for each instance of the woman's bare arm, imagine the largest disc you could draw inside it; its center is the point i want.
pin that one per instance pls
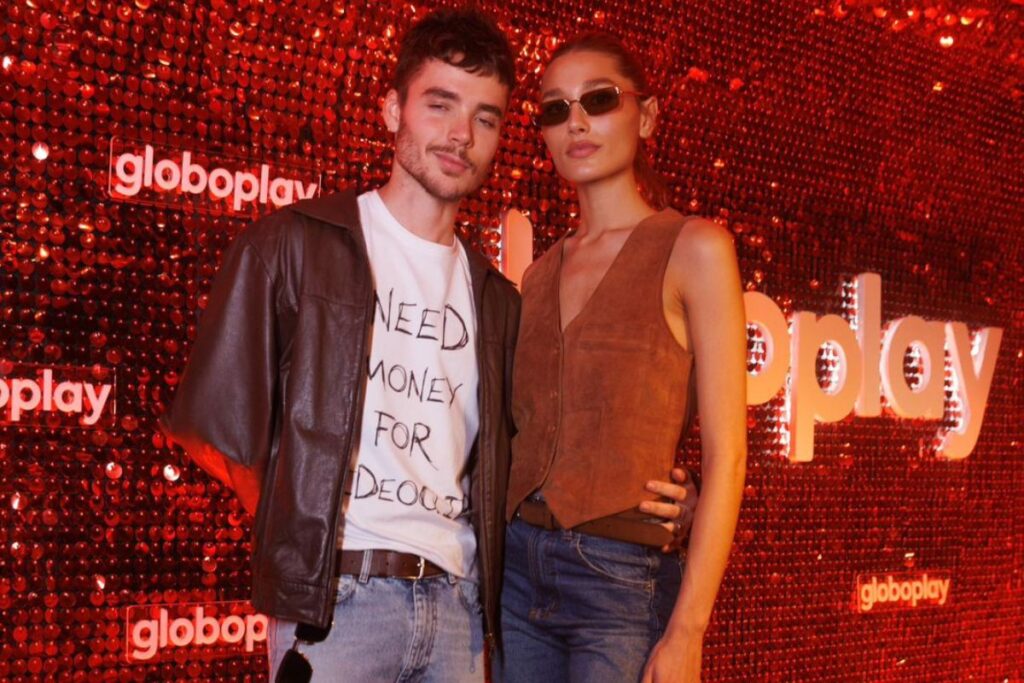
(704, 270)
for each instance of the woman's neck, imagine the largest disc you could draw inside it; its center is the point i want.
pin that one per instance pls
(611, 204)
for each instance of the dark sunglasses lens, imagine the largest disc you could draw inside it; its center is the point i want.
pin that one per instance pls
(600, 101)
(294, 669)
(553, 112)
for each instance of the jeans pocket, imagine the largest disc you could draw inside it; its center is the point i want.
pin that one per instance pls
(344, 588)
(619, 561)
(469, 595)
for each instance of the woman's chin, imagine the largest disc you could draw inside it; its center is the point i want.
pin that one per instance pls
(579, 175)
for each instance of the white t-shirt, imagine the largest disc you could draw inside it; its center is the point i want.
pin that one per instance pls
(409, 486)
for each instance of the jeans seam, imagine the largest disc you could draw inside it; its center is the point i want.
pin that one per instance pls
(652, 592)
(636, 583)
(552, 566)
(533, 572)
(428, 645)
(412, 655)
(464, 600)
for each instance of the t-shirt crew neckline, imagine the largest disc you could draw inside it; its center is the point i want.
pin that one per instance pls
(394, 227)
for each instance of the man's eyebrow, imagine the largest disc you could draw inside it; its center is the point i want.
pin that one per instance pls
(557, 92)
(442, 93)
(492, 109)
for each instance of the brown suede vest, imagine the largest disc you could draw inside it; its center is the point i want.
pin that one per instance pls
(601, 408)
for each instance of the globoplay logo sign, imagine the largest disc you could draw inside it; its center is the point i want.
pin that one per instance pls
(166, 176)
(907, 590)
(956, 369)
(55, 396)
(154, 633)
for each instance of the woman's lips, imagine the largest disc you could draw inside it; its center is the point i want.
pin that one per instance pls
(581, 150)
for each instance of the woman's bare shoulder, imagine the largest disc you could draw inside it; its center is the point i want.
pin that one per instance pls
(703, 244)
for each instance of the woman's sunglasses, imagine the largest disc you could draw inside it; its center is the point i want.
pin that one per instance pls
(594, 103)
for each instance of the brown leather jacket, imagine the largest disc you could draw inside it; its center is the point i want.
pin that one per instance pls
(273, 391)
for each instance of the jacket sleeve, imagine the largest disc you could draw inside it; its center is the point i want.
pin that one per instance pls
(223, 413)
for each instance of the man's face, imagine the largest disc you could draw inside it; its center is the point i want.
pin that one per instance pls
(447, 129)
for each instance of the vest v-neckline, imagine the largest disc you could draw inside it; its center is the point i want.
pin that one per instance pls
(600, 283)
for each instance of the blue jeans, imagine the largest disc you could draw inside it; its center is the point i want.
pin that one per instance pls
(394, 630)
(577, 607)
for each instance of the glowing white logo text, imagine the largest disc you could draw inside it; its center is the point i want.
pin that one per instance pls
(868, 365)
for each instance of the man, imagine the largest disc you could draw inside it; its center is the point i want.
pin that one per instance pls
(349, 381)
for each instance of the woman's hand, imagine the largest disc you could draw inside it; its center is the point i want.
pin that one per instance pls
(675, 659)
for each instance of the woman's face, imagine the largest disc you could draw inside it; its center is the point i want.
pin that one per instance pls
(591, 147)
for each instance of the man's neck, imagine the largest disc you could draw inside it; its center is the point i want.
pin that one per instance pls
(418, 211)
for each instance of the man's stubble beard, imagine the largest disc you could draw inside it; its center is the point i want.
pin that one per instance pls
(415, 166)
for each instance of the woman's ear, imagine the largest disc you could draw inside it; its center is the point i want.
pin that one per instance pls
(391, 110)
(648, 117)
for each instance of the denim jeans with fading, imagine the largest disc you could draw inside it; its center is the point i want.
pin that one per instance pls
(582, 608)
(394, 630)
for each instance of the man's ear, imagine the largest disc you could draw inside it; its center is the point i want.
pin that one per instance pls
(648, 117)
(391, 110)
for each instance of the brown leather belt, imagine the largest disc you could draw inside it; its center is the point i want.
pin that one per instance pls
(387, 564)
(617, 527)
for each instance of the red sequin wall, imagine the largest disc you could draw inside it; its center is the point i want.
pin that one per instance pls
(831, 138)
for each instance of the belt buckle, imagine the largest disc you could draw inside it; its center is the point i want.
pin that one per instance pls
(421, 566)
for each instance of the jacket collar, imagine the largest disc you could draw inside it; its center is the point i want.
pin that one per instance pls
(341, 209)
(337, 208)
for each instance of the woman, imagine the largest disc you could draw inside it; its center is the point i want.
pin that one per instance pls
(627, 324)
